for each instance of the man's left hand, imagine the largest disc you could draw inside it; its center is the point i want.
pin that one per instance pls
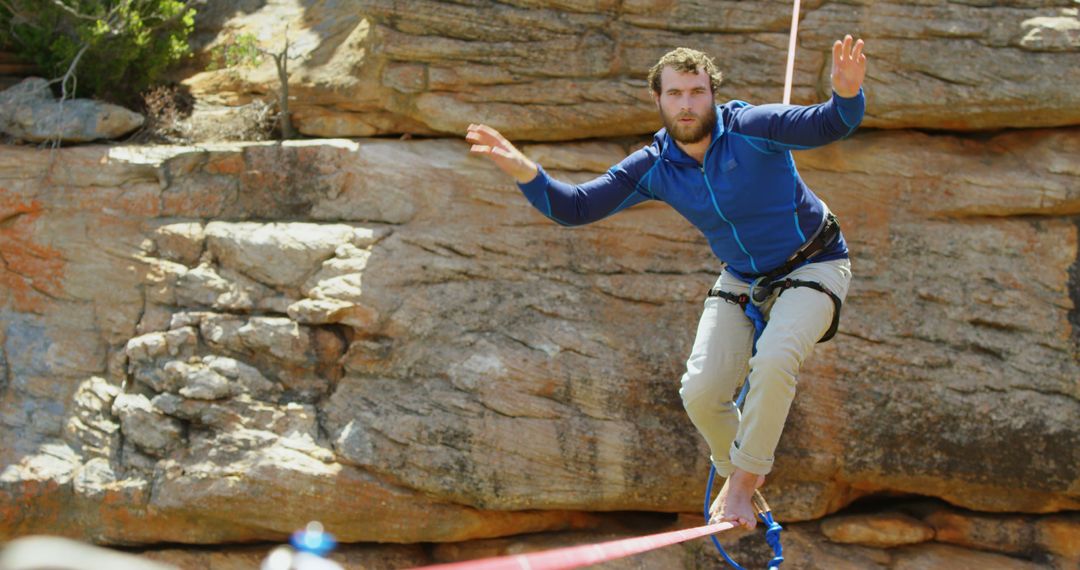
(848, 66)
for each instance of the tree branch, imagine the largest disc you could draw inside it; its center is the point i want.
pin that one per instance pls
(70, 74)
(71, 10)
(18, 17)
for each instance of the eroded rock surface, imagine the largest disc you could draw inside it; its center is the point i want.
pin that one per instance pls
(221, 343)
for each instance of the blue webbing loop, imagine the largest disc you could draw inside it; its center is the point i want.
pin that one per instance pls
(772, 533)
(753, 312)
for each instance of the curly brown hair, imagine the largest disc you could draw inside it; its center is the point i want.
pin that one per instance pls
(685, 60)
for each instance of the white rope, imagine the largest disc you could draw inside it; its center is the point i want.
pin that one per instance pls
(791, 53)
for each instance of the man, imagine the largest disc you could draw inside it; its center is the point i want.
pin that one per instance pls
(728, 170)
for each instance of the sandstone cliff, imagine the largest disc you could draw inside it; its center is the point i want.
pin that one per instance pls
(217, 343)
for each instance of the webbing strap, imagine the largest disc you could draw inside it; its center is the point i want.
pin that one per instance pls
(837, 303)
(791, 53)
(578, 556)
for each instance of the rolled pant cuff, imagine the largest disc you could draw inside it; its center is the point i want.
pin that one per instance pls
(749, 463)
(723, 467)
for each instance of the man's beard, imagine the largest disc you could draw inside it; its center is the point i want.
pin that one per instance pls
(687, 134)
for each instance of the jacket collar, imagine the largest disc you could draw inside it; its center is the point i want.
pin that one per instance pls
(669, 150)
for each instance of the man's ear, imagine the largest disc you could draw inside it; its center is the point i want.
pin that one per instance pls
(655, 98)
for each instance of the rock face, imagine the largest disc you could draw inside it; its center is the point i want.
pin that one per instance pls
(219, 343)
(887, 530)
(28, 111)
(555, 70)
(418, 356)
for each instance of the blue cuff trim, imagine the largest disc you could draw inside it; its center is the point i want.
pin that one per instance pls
(537, 184)
(854, 107)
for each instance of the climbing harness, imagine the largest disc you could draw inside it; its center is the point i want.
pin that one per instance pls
(761, 290)
(764, 285)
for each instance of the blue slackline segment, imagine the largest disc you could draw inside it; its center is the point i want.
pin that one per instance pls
(772, 532)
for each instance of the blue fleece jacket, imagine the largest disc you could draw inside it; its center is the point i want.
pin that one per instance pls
(747, 197)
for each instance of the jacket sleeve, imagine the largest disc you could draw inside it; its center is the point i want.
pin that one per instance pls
(778, 128)
(578, 204)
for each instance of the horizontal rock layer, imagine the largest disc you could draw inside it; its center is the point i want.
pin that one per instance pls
(553, 70)
(962, 540)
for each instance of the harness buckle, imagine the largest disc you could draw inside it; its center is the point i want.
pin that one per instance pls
(760, 289)
(740, 299)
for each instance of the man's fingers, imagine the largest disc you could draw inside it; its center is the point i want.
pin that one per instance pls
(492, 151)
(477, 138)
(489, 132)
(847, 51)
(480, 137)
(484, 134)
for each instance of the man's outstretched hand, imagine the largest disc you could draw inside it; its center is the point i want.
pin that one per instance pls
(848, 66)
(488, 142)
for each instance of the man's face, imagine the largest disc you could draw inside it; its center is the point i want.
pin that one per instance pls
(686, 105)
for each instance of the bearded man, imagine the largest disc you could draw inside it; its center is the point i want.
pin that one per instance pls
(727, 168)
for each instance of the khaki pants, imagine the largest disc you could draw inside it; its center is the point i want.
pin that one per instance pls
(721, 357)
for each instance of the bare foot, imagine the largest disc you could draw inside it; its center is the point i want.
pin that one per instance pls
(733, 503)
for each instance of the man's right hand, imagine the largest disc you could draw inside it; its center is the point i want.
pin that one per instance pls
(488, 142)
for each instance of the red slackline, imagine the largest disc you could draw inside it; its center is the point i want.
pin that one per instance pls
(584, 555)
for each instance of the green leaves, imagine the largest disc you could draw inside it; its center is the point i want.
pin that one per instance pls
(242, 51)
(128, 43)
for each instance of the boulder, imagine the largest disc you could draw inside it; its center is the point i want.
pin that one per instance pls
(29, 111)
(882, 530)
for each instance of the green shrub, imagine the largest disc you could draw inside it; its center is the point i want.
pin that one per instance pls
(128, 43)
(239, 51)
